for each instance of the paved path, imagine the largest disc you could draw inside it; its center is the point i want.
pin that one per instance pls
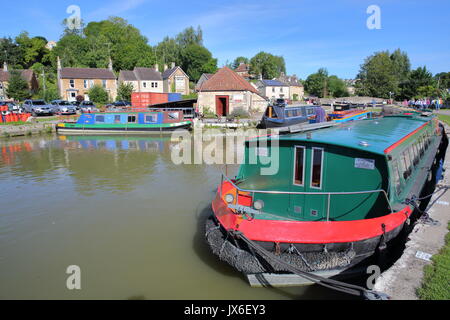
(401, 281)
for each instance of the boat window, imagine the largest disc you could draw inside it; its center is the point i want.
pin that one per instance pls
(407, 162)
(173, 115)
(99, 118)
(116, 118)
(151, 118)
(131, 119)
(417, 154)
(395, 172)
(317, 162)
(299, 162)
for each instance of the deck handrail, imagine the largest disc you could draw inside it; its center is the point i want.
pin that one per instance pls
(329, 193)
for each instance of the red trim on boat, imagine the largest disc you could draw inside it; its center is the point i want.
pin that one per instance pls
(399, 142)
(306, 231)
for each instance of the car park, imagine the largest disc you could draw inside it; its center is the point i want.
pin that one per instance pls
(38, 107)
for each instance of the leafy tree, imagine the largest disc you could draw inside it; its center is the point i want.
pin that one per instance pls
(124, 91)
(98, 94)
(33, 50)
(401, 65)
(196, 59)
(337, 87)
(238, 61)
(417, 78)
(316, 83)
(190, 36)
(377, 76)
(267, 65)
(17, 87)
(443, 80)
(11, 53)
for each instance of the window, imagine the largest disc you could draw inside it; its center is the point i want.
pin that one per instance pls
(273, 89)
(131, 119)
(144, 84)
(85, 83)
(104, 83)
(73, 95)
(72, 83)
(153, 84)
(173, 115)
(116, 118)
(316, 168)
(156, 84)
(299, 163)
(99, 118)
(151, 118)
(281, 89)
(396, 177)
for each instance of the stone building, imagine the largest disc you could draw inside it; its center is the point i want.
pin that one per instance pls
(226, 91)
(28, 75)
(73, 82)
(175, 80)
(273, 89)
(296, 89)
(143, 79)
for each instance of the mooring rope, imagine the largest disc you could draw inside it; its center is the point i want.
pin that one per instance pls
(328, 283)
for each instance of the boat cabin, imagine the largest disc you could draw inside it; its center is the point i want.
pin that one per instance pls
(124, 118)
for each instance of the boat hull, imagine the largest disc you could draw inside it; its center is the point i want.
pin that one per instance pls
(73, 129)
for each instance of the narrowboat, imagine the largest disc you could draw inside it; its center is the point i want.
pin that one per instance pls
(126, 123)
(343, 113)
(279, 115)
(340, 195)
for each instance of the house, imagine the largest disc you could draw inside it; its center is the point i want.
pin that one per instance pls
(175, 80)
(243, 70)
(203, 78)
(296, 89)
(226, 91)
(350, 85)
(28, 75)
(143, 79)
(73, 82)
(273, 89)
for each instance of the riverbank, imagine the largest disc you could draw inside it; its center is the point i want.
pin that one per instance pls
(404, 280)
(27, 128)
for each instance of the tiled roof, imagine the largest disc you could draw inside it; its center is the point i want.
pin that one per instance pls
(290, 80)
(127, 75)
(226, 79)
(147, 74)
(27, 74)
(273, 83)
(168, 72)
(87, 73)
(243, 67)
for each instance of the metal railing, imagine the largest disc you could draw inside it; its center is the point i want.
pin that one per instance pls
(328, 194)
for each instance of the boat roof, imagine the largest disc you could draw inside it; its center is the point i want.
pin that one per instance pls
(376, 134)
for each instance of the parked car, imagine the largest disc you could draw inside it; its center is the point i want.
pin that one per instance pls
(119, 104)
(63, 107)
(88, 106)
(38, 107)
(12, 107)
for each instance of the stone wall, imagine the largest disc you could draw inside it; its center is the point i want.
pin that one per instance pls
(237, 99)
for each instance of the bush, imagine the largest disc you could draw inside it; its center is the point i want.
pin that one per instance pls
(238, 113)
(98, 94)
(208, 114)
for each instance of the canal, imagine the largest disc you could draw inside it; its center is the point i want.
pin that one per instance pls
(122, 211)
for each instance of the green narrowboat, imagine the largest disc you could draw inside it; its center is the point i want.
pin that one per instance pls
(340, 194)
(147, 122)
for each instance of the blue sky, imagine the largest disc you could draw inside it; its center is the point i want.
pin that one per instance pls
(309, 34)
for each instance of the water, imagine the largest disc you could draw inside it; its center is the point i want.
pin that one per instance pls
(118, 208)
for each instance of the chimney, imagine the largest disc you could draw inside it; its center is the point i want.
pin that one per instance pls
(165, 67)
(110, 65)
(156, 67)
(5, 66)
(173, 65)
(58, 62)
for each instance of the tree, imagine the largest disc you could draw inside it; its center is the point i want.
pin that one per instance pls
(316, 83)
(17, 87)
(417, 78)
(196, 60)
(10, 53)
(238, 61)
(267, 65)
(377, 76)
(98, 94)
(33, 50)
(443, 80)
(190, 36)
(337, 87)
(124, 91)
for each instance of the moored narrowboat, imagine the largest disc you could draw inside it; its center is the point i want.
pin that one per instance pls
(344, 113)
(147, 122)
(340, 195)
(279, 115)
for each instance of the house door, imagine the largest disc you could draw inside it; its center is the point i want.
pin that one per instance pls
(222, 105)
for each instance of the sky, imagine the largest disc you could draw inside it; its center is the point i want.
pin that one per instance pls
(309, 34)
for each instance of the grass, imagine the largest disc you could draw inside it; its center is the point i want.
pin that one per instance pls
(436, 280)
(444, 118)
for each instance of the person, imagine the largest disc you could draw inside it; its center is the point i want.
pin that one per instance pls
(438, 104)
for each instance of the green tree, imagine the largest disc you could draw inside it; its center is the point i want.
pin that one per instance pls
(98, 94)
(443, 80)
(196, 59)
(377, 76)
(337, 87)
(417, 78)
(316, 83)
(190, 36)
(17, 87)
(124, 91)
(11, 53)
(33, 50)
(267, 65)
